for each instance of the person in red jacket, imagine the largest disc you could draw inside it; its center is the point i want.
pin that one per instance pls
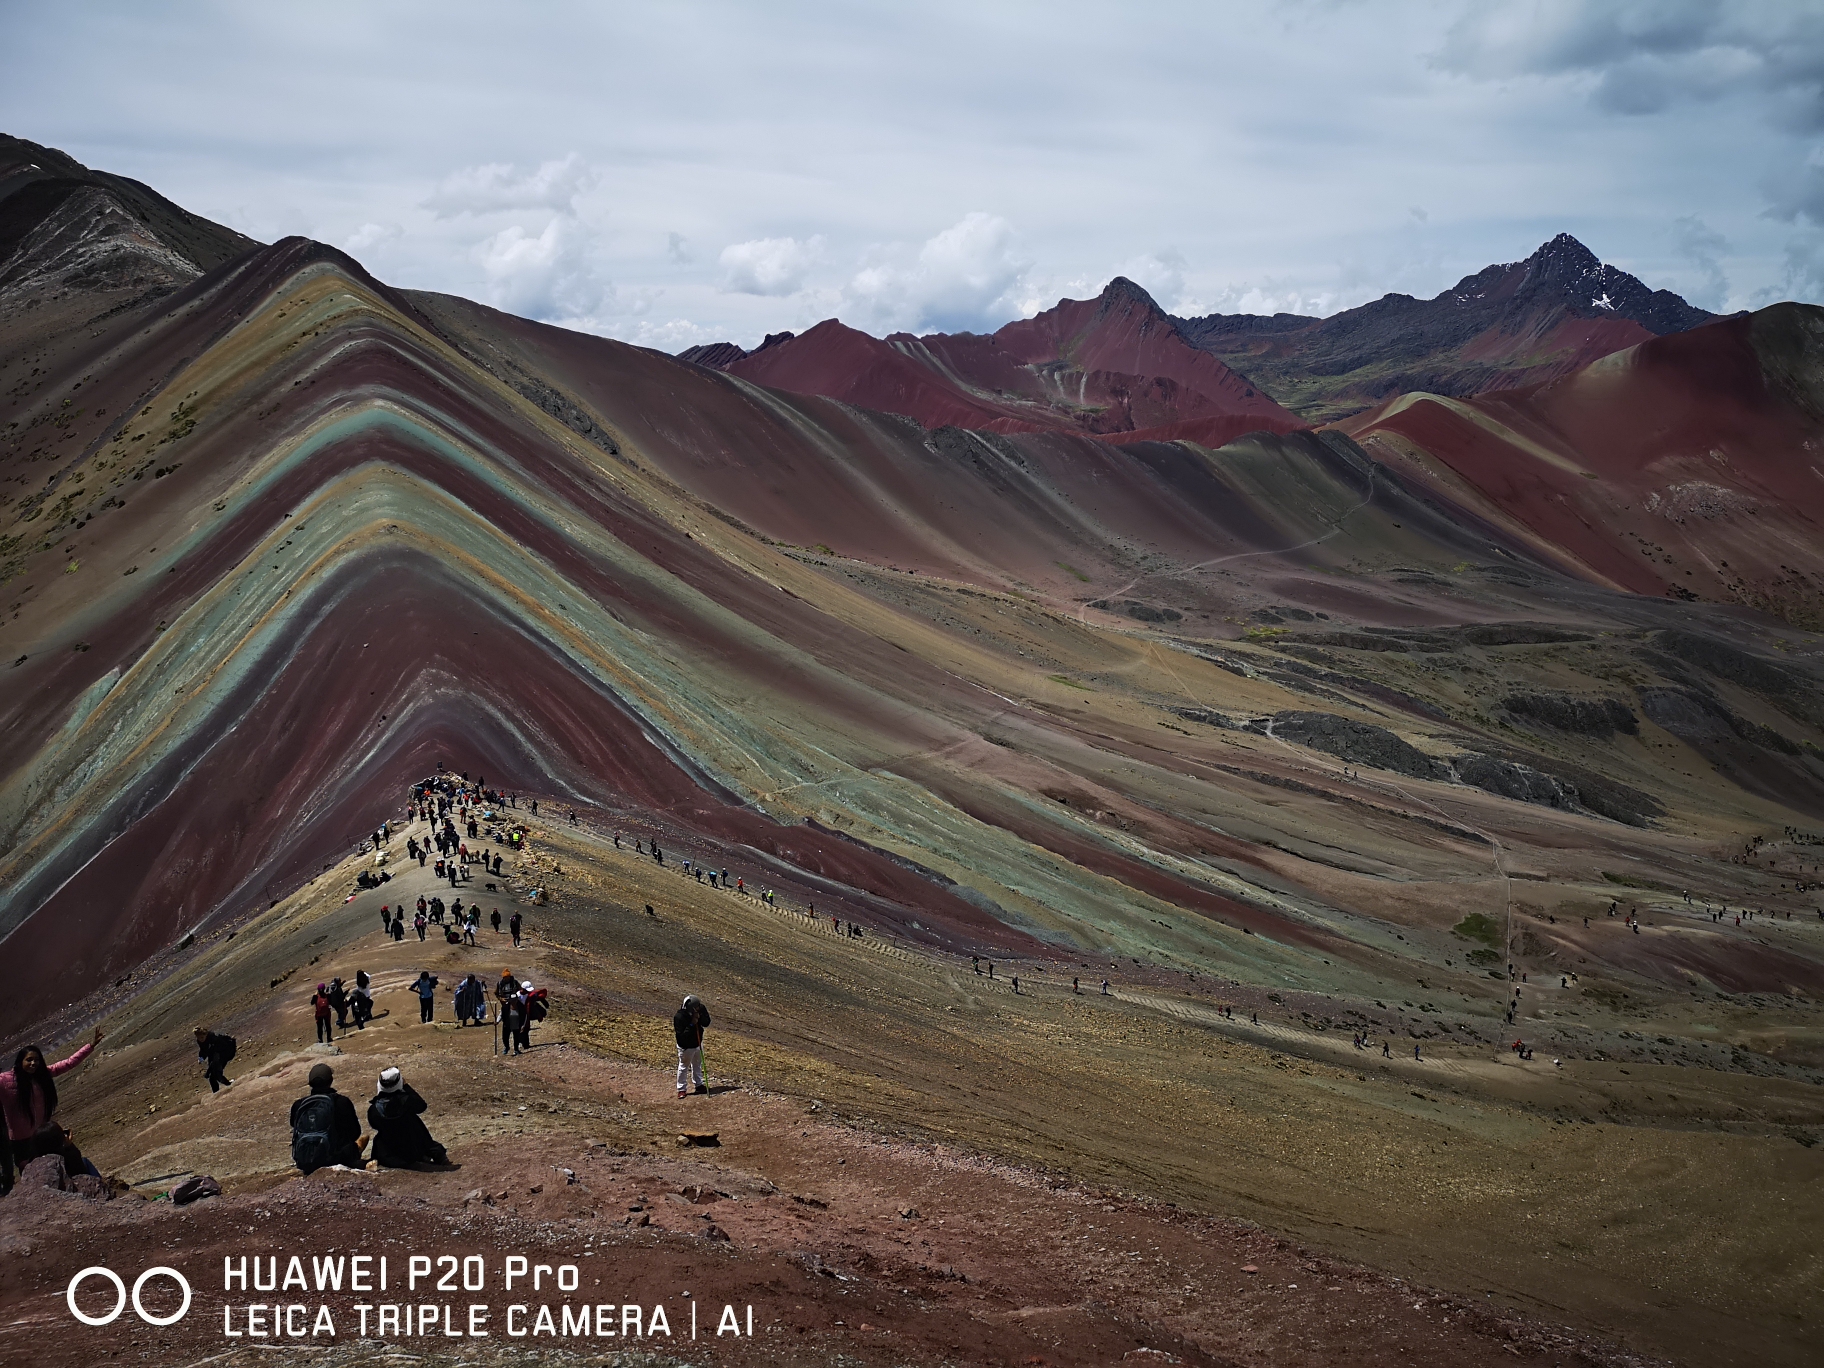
(320, 1004)
(28, 1097)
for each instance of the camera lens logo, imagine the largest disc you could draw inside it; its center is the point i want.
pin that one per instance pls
(121, 1298)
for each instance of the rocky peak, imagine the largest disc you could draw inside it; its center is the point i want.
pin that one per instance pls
(1122, 291)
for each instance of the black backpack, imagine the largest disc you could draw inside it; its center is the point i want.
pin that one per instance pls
(226, 1046)
(310, 1147)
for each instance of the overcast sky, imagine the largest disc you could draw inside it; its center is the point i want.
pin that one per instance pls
(691, 171)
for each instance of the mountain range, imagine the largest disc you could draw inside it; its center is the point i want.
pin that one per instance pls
(1120, 366)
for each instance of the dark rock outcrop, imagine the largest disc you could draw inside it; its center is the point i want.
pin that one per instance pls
(1563, 712)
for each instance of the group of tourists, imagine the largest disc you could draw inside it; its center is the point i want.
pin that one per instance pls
(325, 1130)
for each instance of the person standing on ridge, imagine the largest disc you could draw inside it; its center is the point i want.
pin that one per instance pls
(513, 1033)
(688, 1024)
(320, 1006)
(513, 925)
(426, 988)
(338, 1001)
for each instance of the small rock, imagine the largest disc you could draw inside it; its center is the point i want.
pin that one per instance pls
(474, 1196)
(908, 1213)
(535, 1189)
(88, 1185)
(642, 1219)
(1249, 1268)
(715, 1232)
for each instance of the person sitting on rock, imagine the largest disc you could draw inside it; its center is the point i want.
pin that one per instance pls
(324, 1127)
(53, 1137)
(28, 1099)
(400, 1137)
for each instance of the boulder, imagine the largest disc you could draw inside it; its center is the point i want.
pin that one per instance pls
(46, 1171)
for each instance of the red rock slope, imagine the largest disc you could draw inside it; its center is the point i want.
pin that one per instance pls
(1113, 366)
(1685, 466)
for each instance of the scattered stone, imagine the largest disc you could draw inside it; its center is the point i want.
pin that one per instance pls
(908, 1213)
(1250, 1268)
(703, 1139)
(535, 1189)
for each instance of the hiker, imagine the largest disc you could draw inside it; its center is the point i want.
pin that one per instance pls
(400, 1137)
(687, 1024)
(426, 988)
(324, 1127)
(513, 924)
(28, 1098)
(538, 1004)
(338, 1001)
(215, 1050)
(1076, 985)
(514, 1037)
(399, 925)
(386, 919)
(494, 920)
(361, 1001)
(319, 1003)
(471, 1002)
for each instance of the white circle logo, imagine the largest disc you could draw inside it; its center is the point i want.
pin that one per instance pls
(121, 1298)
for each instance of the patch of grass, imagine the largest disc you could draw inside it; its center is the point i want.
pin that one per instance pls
(1070, 569)
(1479, 926)
(1635, 881)
(1071, 683)
(1264, 633)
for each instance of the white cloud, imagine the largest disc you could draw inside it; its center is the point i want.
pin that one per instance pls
(549, 276)
(1160, 274)
(498, 186)
(965, 278)
(1701, 245)
(768, 266)
(371, 235)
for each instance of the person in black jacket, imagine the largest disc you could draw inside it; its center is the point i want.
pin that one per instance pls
(687, 1024)
(400, 1138)
(324, 1127)
(513, 1031)
(215, 1051)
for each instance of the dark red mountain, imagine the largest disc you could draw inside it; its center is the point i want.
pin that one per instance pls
(1114, 366)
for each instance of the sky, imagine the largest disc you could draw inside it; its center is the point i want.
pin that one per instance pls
(696, 171)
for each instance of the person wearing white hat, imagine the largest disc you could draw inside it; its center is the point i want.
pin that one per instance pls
(401, 1139)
